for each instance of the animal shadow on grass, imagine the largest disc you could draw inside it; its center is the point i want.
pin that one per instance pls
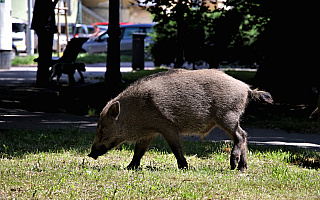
(17, 143)
(203, 150)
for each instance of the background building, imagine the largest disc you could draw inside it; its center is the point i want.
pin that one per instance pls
(98, 10)
(88, 11)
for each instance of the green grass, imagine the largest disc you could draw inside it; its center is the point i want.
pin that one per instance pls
(244, 76)
(84, 57)
(23, 60)
(284, 122)
(100, 58)
(91, 58)
(46, 164)
(133, 76)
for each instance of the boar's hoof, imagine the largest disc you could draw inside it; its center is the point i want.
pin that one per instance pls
(234, 160)
(242, 165)
(93, 156)
(238, 163)
(183, 165)
(132, 166)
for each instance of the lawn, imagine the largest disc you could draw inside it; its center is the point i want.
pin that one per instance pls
(24, 60)
(82, 57)
(130, 77)
(46, 164)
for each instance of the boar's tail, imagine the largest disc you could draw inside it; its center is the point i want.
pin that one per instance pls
(256, 94)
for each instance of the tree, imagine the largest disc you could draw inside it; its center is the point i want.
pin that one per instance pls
(113, 74)
(178, 23)
(292, 76)
(194, 32)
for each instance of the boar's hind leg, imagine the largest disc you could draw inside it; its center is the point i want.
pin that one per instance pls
(239, 151)
(243, 148)
(139, 150)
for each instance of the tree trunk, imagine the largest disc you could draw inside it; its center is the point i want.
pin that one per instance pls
(113, 74)
(292, 75)
(180, 35)
(45, 41)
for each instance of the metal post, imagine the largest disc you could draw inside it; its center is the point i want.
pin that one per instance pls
(66, 20)
(113, 74)
(5, 34)
(138, 51)
(59, 30)
(30, 33)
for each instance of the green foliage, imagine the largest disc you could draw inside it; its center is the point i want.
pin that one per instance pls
(182, 27)
(237, 32)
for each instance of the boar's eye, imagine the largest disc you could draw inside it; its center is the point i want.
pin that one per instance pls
(100, 127)
(99, 132)
(103, 139)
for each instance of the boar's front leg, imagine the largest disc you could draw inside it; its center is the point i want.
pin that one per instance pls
(174, 142)
(139, 150)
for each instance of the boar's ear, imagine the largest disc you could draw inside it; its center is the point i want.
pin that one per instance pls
(114, 110)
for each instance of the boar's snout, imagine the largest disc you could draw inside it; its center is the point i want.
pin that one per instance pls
(92, 155)
(95, 153)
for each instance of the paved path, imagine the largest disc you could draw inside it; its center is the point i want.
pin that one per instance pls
(21, 119)
(26, 75)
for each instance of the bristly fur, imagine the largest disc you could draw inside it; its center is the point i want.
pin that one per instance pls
(175, 103)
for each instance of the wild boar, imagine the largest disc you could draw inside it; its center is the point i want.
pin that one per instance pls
(175, 103)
